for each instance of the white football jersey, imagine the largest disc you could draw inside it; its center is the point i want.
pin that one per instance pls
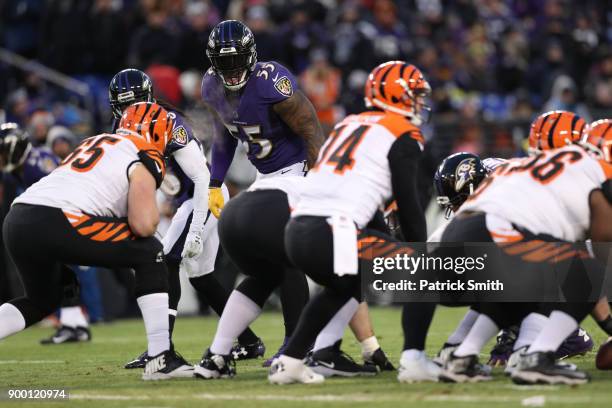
(93, 179)
(352, 177)
(544, 194)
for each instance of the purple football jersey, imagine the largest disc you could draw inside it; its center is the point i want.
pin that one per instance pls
(249, 117)
(39, 163)
(181, 135)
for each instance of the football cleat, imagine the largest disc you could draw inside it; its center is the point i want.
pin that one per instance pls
(503, 347)
(516, 356)
(379, 360)
(248, 351)
(464, 369)
(289, 370)
(215, 366)
(417, 368)
(138, 362)
(331, 361)
(444, 354)
(280, 351)
(578, 343)
(541, 368)
(166, 365)
(67, 334)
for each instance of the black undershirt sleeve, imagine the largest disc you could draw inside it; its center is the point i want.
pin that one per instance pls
(404, 157)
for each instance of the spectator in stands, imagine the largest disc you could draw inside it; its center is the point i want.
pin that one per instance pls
(321, 83)
(563, 97)
(258, 20)
(195, 35)
(61, 141)
(154, 43)
(298, 37)
(107, 32)
(40, 122)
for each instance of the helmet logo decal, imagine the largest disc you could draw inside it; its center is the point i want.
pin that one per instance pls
(247, 38)
(464, 173)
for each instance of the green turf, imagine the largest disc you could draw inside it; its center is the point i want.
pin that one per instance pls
(94, 375)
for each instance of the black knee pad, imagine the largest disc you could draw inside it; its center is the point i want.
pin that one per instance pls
(151, 278)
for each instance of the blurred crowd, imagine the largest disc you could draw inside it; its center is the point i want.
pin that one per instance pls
(493, 64)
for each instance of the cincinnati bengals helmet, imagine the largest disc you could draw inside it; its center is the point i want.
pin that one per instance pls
(597, 139)
(398, 87)
(148, 121)
(555, 129)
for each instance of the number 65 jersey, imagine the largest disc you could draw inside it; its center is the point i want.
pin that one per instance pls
(545, 194)
(93, 179)
(367, 159)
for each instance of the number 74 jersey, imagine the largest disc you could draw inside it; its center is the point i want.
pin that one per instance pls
(547, 193)
(93, 179)
(352, 176)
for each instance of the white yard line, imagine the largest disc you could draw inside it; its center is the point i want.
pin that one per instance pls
(32, 361)
(348, 398)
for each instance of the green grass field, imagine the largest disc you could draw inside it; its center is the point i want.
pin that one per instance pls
(94, 375)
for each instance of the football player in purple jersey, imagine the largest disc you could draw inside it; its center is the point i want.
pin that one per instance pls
(260, 104)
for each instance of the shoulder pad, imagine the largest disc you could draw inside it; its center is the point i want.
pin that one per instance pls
(154, 163)
(275, 83)
(399, 125)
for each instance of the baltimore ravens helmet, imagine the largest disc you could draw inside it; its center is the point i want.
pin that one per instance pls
(14, 146)
(128, 87)
(456, 178)
(231, 51)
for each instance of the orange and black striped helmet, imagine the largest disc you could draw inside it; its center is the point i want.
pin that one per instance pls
(597, 138)
(398, 87)
(150, 122)
(555, 129)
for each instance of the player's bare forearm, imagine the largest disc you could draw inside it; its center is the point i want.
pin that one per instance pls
(299, 114)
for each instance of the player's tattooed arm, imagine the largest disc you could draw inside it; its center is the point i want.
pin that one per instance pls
(299, 114)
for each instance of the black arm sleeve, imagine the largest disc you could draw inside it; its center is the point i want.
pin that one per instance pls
(378, 223)
(404, 157)
(154, 163)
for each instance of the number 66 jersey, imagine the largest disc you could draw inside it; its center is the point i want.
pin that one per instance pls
(93, 179)
(367, 159)
(545, 194)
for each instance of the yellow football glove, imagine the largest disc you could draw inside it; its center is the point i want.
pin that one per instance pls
(215, 201)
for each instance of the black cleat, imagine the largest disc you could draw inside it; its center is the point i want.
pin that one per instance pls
(138, 362)
(248, 351)
(542, 368)
(330, 361)
(379, 360)
(215, 366)
(166, 365)
(67, 334)
(464, 369)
